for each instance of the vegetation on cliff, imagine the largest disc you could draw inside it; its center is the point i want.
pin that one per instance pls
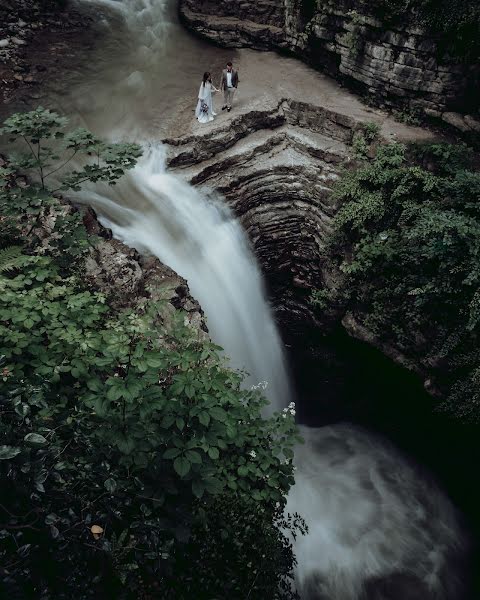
(456, 27)
(407, 240)
(133, 463)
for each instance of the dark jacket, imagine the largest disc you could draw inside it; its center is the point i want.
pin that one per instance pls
(235, 79)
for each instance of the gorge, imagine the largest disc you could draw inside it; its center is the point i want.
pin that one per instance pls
(379, 527)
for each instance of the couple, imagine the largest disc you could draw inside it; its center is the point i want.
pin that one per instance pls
(229, 84)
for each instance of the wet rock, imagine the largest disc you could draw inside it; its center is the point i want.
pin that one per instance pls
(473, 123)
(455, 120)
(131, 280)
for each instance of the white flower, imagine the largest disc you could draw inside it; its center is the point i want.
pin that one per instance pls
(253, 454)
(284, 415)
(291, 405)
(293, 413)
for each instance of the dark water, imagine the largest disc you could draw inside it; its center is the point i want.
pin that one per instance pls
(342, 379)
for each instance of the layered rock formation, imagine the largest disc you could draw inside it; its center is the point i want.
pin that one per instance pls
(276, 168)
(397, 66)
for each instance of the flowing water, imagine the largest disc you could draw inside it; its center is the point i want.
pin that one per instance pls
(379, 528)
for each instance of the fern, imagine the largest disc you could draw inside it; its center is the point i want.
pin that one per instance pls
(11, 258)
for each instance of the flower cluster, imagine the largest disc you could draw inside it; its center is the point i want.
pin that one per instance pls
(290, 409)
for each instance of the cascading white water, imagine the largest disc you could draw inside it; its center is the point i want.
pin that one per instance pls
(203, 242)
(379, 529)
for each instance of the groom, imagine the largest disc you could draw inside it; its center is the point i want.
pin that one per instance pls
(229, 85)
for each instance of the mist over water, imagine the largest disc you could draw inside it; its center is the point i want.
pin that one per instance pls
(378, 527)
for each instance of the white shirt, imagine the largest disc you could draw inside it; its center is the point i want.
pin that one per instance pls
(229, 79)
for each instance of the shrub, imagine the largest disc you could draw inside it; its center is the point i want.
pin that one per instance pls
(407, 239)
(363, 138)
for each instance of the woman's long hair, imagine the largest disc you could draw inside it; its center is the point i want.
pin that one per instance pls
(206, 77)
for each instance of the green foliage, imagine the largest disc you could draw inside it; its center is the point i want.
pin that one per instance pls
(133, 462)
(11, 258)
(320, 299)
(24, 208)
(363, 138)
(40, 127)
(408, 116)
(407, 239)
(353, 37)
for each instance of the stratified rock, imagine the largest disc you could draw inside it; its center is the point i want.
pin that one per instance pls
(397, 66)
(275, 167)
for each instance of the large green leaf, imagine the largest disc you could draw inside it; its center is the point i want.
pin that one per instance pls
(35, 439)
(181, 465)
(7, 452)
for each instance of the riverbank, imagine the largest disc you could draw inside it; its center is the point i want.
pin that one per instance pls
(38, 43)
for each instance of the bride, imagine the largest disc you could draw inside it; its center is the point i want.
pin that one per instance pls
(204, 111)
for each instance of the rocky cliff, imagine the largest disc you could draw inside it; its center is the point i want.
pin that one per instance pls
(275, 168)
(395, 65)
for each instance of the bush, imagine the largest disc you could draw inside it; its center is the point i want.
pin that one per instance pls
(363, 138)
(133, 463)
(407, 239)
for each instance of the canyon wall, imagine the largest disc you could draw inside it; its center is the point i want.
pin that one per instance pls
(397, 66)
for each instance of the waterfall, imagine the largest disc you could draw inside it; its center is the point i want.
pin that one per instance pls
(202, 241)
(378, 527)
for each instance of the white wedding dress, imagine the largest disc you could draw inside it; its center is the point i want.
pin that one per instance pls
(204, 111)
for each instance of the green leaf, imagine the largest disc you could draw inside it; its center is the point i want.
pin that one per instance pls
(110, 485)
(193, 457)
(95, 385)
(171, 453)
(198, 488)
(213, 453)
(8, 452)
(114, 392)
(242, 471)
(35, 439)
(180, 423)
(204, 418)
(218, 413)
(168, 421)
(213, 485)
(182, 465)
